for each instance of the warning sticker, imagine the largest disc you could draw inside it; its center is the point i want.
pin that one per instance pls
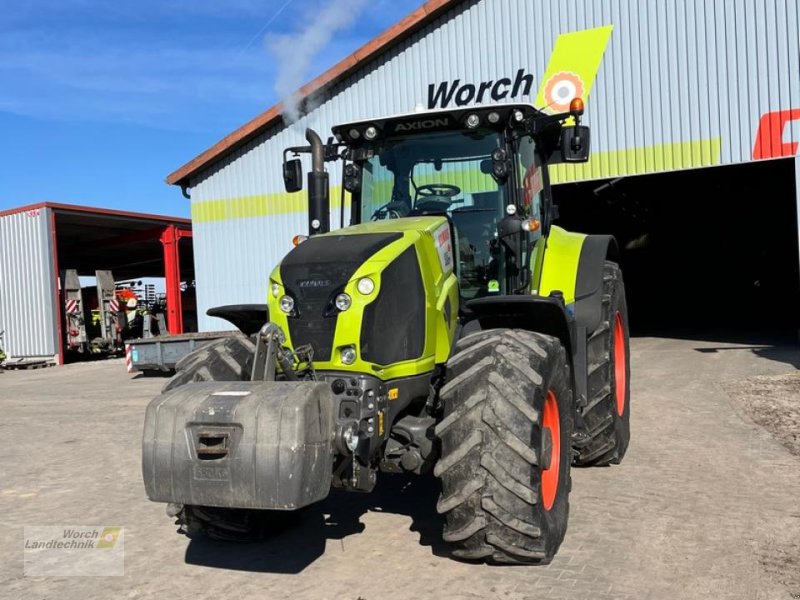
(444, 246)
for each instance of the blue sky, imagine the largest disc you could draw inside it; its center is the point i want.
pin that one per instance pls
(100, 100)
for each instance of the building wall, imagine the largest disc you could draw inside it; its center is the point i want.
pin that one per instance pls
(28, 312)
(669, 85)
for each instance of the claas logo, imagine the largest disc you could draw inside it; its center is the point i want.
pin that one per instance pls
(560, 90)
(573, 67)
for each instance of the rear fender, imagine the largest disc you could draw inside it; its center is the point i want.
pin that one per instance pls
(559, 267)
(573, 265)
(589, 284)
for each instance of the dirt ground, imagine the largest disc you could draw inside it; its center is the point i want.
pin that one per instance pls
(772, 402)
(705, 504)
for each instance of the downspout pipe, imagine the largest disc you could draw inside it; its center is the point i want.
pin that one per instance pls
(319, 202)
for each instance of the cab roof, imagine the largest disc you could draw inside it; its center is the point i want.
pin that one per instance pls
(488, 116)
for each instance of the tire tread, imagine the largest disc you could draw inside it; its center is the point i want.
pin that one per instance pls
(489, 448)
(602, 439)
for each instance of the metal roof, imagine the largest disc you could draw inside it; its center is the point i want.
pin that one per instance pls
(386, 40)
(127, 243)
(76, 208)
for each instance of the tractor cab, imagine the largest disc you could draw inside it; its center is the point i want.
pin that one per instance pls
(484, 169)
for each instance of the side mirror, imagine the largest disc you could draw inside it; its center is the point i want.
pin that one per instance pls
(508, 226)
(293, 175)
(575, 144)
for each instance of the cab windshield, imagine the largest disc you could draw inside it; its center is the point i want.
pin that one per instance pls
(446, 174)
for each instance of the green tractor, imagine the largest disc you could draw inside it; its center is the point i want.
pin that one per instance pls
(451, 328)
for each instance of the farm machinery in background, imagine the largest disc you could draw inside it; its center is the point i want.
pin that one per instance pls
(99, 319)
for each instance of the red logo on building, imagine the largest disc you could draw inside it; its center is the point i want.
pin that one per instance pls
(769, 138)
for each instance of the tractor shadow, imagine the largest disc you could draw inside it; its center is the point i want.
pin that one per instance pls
(307, 534)
(778, 345)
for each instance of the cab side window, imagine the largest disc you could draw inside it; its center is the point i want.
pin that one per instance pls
(531, 178)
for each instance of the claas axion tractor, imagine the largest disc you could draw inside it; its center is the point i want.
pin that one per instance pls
(451, 328)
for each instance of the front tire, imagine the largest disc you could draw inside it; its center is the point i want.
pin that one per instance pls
(226, 359)
(230, 524)
(505, 465)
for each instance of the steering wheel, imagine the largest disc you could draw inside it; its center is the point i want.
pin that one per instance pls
(439, 190)
(391, 210)
(435, 197)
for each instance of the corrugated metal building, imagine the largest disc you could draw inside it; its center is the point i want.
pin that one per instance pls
(28, 297)
(670, 86)
(40, 241)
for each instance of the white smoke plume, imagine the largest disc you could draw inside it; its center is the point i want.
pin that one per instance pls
(295, 52)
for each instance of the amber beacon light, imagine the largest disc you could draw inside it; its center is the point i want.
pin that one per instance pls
(576, 106)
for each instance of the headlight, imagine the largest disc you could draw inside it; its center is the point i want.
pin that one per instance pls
(365, 286)
(343, 301)
(371, 133)
(473, 121)
(276, 289)
(287, 304)
(348, 355)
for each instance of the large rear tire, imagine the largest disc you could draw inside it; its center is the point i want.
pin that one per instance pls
(227, 359)
(604, 435)
(505, 463)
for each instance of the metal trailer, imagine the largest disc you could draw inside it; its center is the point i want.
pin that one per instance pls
(112, 316)
(159, 355)
(74, 307)
(111, 313)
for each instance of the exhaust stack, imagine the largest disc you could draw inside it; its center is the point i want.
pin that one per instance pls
(319, 204)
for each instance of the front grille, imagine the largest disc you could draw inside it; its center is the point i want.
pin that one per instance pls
(313, 273)
(393, 328)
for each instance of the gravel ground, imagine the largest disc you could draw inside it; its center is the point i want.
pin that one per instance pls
(705, 504)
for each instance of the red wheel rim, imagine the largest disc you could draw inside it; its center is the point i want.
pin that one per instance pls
(549, 476)
(620, 374)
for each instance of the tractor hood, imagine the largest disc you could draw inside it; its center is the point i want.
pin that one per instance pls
(362, 296)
